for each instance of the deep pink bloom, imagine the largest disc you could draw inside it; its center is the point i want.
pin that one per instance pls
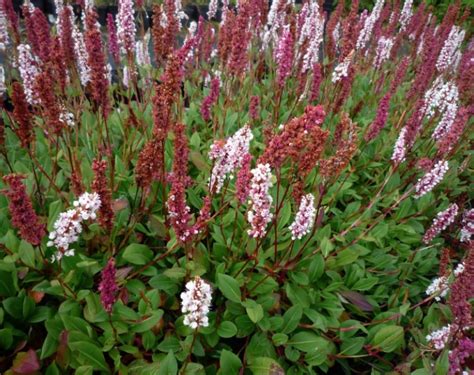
(204, 216)
(242, 184)
(427, 67)
(22, 115)
(462, 290)
(399, 75)
(178, 210)
(459, 355)
(21, 209)
(284, 56)
(380, 119)
(9, 11)
(108, 287)
(414, 123)
(210, 99)
(97, 63)
(43, 36)
(254, 107)
(100, 186)
(65, 26)
(114, 49)
(317, 79)
(450, 139)
(240, 39)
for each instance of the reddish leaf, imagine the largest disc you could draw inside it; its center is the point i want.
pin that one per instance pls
(26, 363)
(357, 299)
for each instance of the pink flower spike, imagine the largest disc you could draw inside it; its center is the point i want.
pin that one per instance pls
(108, 286)
(441, 222)
(304, 219)
(426, 183)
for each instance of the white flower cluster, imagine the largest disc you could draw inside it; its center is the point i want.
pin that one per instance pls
(304, 219)
(228, 157)
(426, 183)
(141, 51)
(407, 13)
(384, 47)
(67, 118)
(443, 97)
(81, 56)
(259, 215)
(3, 88)
(439, 287)
(68, 226)
(275, 20)
(179, 12)
(439, 338)
(399, 150)
(336, 34)
(450, 54)
(312, 30)
(27, 66)
(3, 30)
(196, 303)
(459, 269)
(211, 13)
(369, 24)
(467, 229)
(341, 70)
(126, 28)
(439, 95)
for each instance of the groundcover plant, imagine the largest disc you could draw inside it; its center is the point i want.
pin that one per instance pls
(269, 190)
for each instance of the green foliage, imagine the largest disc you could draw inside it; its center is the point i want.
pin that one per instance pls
(348, 296)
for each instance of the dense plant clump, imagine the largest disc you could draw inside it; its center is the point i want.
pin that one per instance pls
(269, 190)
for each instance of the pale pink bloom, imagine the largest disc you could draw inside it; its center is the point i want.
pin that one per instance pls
(259, 214)
(366, 32)
(228, 156)
(304, 219)
(407, 13)
(467, 229)
(439, 338)
(426, 183)
(399, 150)
(196, 303)
(450, 54)
(28, 67)
(384, 47)
(441, 222)
(126, 28)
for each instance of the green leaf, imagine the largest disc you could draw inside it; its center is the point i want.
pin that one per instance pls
(291, 319)
(27, 254)
(388, 338)
(229, 363)
(266, 366)
(229, 287)
(91, 354)
(227, 329)
(6, 338)
(279, 339)
(254, 310)
(137, 254)
(308, 342)
(148, 323)
(168, 366)
(49, 347)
